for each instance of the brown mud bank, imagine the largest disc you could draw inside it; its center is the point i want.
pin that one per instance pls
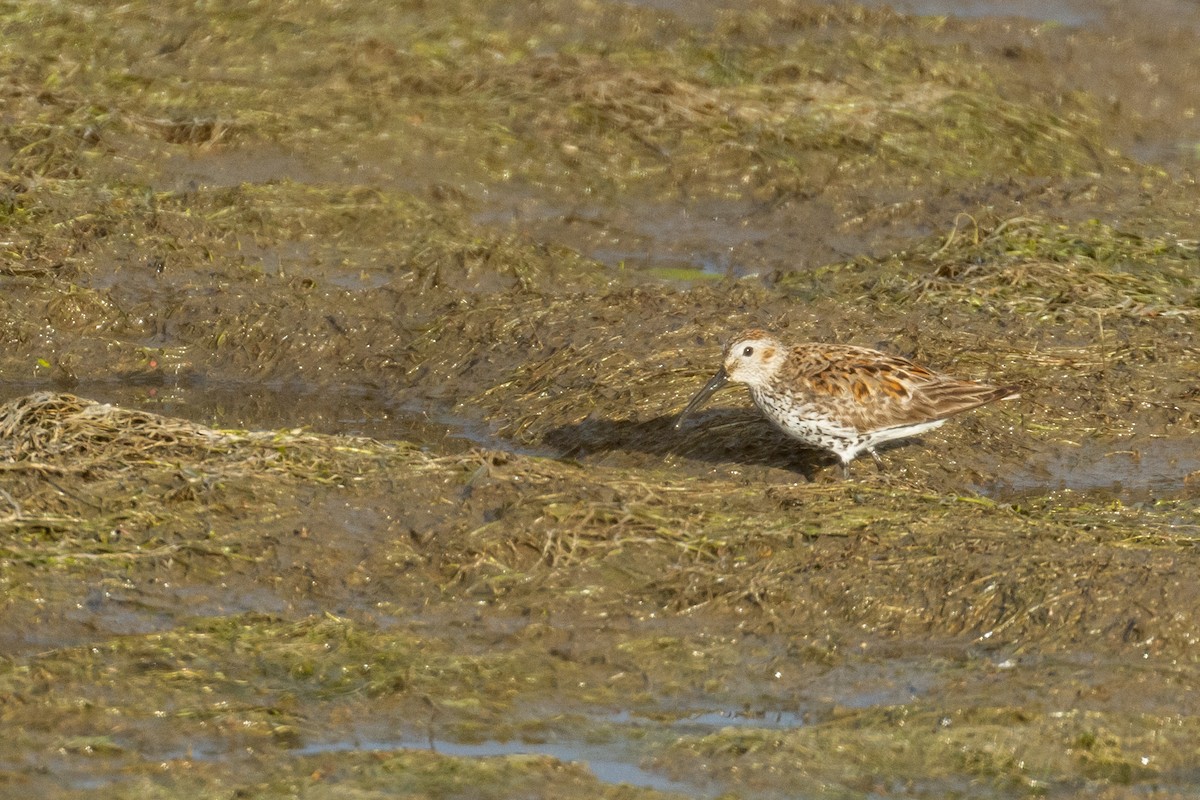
(385, 312)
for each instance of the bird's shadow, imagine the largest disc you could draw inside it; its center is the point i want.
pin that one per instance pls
(719, 436)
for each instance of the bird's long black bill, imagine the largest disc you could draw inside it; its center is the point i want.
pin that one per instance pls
(714, 383)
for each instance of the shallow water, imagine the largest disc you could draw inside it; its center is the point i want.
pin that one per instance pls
(611, 763)
(1133, 470)
(1073, 13)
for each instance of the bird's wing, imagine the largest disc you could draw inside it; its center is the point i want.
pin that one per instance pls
(876, 390)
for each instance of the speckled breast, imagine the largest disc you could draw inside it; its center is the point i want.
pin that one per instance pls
(804, 421)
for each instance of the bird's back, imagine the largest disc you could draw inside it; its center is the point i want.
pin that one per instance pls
(870, 390)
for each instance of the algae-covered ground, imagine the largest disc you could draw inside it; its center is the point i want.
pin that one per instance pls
(340, 347)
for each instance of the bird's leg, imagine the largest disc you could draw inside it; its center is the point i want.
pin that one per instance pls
(845, 470)
(878, 460)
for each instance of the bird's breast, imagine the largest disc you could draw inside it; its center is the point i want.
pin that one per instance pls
(799, 416)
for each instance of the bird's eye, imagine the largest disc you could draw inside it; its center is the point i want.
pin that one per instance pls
(749, 351)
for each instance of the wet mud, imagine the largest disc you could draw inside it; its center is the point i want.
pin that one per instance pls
(342, 347)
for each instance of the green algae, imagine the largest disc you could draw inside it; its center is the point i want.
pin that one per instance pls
(997, 752)
(307, 196)
(612, 117)
(602, 542)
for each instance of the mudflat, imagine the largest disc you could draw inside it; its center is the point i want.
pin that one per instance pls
(342, 346)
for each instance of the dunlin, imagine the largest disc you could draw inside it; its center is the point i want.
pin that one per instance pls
(842, 398)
